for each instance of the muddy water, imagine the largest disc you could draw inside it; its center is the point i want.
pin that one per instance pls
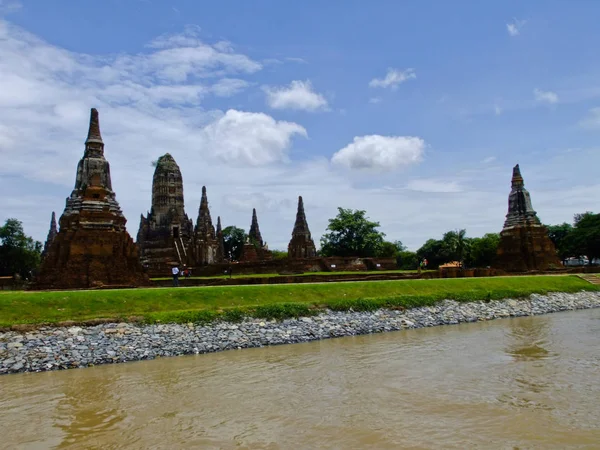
(519, 383)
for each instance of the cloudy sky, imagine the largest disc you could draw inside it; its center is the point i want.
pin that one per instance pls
(415, 111)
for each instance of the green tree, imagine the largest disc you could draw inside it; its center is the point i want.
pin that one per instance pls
(483, 250)
(560, 235)
(352, 234)
(585, 237)
(455, 246)
(390, 249)
(279, 254)
(234, 239)
(407, 260)
(433, 251)
(19, 253)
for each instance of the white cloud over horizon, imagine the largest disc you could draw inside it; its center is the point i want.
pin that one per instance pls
(299, 95)
(156, 101)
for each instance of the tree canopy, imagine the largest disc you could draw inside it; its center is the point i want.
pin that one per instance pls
(19, 253)
(351, 233)
(234, 239)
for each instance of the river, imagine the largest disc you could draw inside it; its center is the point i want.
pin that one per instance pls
(530, 382)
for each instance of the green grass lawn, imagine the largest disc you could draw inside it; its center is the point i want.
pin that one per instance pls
(271, 275)
(195, 304)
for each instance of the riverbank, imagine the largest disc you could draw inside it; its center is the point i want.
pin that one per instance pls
(54, 348)
(208, 304)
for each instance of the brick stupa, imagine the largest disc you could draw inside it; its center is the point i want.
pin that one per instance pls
(301, 245)
(524, 242)
(166, 233)
(255, 249)
(92, 247)
(205, 237)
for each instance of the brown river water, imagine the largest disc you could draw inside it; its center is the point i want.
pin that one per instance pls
(517, 383)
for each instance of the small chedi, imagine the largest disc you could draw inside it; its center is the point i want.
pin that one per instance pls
(255, 249)
(165, 234)
(51, 235)
(205, 239)
(167, 237)
(301, 245)
(524, 242)
(92, 246)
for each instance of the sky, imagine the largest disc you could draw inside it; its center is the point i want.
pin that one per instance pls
(414, 111)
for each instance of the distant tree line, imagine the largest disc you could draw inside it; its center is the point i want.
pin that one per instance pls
(352, 233)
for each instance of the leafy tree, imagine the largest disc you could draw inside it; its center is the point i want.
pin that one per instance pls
(455, 245)
(351, 234)
(390, 249)
(560, 235)
(585, 237)
(483, 250)
(433, 251)
(407, 260)
(234, 239)
(279, 254)
(19, 253)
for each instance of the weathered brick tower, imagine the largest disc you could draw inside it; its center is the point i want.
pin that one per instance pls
(51, 234)
(255, 249)
(301, 245)
(205, 238)
(524, 242)
(165, 235)
(92, 247)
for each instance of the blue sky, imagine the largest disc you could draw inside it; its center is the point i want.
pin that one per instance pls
(413, 111)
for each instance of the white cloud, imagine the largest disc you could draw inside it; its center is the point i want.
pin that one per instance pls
(381, 153)
(228, 87)
(393, 78)
(298, 95)
(592, 121)
(514, 28)
(431, 185)
(250, 138)
(547, 97)
(246, 159)
(489, 159)
(375, 100)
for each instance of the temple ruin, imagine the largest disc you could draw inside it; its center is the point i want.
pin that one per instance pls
(165, 234)
(92, 247)
(205, 238)
(51, 234)
(254, 248)
(524, 242)
(301, 245)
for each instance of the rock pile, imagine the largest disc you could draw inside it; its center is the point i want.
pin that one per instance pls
(53, 348)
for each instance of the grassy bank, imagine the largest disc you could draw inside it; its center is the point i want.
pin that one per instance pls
(305, 274)
(198, 304)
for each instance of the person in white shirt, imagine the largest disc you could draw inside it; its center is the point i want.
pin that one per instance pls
(175, 271)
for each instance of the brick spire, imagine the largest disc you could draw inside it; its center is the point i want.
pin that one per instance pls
(94, 129)
(254, 233)
(301, 225)
(204, 224)
(520, 210)
(51, 234)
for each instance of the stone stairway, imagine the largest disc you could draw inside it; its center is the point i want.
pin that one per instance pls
(591, 278)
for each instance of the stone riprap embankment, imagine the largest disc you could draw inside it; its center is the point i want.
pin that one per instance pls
(52, 348)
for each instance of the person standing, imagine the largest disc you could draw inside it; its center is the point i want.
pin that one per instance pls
(175, 271)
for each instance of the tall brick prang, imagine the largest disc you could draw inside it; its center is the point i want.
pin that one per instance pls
(92, 247)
